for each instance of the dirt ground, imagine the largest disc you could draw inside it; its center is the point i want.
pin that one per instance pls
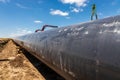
(14, 65)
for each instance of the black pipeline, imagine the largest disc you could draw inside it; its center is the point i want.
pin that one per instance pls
(86, 51)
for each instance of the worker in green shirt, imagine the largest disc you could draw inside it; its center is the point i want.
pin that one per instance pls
(94, 12)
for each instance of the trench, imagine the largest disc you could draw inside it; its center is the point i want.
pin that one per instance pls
(47, 72)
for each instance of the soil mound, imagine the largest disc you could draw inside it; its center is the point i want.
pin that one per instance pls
(14, 65)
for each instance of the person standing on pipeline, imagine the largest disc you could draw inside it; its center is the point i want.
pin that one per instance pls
(94, 13)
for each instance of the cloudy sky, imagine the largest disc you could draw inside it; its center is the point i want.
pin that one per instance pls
(19, 17)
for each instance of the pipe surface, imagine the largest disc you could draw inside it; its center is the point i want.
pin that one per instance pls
(86, 51)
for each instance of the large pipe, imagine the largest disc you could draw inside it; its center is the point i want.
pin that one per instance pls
(87, 51)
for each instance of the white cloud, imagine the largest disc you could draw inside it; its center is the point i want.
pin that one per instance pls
(58, 12)
(21, 6)
(79, 3)
(37, 21)
(20, 32)
(4, 1)
(76, 10)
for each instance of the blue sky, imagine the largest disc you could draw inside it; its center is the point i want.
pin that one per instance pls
(19, 17)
